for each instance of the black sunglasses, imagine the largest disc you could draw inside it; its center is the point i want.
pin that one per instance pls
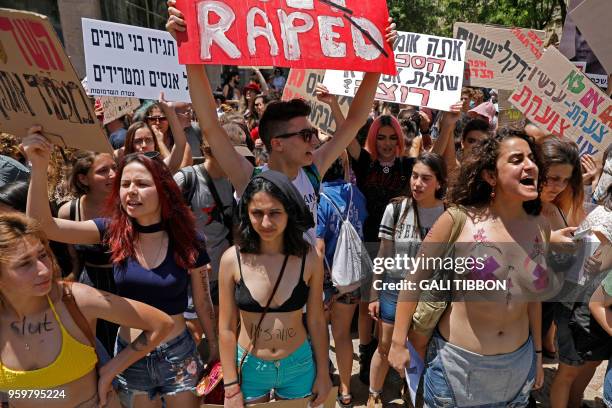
(307, 134)
(156, 118)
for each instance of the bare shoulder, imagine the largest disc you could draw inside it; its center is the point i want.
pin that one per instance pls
(228, 264)
(64, 211)
(314, 263)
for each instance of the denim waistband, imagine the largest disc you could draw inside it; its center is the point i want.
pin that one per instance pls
(475, 358)
(164, 346)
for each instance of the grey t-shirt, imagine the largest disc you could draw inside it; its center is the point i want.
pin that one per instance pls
(204, 208)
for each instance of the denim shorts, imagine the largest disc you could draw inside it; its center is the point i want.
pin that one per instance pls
(387, 305)
(169, 369)
(291, 377)
(607, 394)
(455, 377)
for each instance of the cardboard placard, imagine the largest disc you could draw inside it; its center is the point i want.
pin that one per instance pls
(558, 98)
(508, 116)
(498, 57)
(429, 73)
(114, 107)
(330, 402)
(128, 61)
(38, 85)
(301, 83)
(324, 34)
(593, 18)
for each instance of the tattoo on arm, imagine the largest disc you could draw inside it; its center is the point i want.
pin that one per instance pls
(140, 343)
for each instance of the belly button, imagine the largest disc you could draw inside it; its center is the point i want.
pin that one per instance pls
(500, 333)
(274, 350)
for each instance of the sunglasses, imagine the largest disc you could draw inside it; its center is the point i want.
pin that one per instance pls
(156, 119)
(307, 134)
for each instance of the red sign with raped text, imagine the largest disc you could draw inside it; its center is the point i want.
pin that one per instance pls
(323, 34)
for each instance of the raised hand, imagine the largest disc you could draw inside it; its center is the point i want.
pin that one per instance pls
(175, 20)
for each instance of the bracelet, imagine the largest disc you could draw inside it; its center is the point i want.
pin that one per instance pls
(538, 351)
(229, 384)
(234, 394)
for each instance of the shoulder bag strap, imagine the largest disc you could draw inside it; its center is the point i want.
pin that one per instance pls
(254, 339)
(75, 312)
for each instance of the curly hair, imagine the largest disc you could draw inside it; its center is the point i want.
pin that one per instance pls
(470, 188)
(248, 239)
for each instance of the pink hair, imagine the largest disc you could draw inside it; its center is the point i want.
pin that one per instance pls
(384, 120)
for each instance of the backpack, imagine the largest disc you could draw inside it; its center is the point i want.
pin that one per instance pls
(225, 215)
(351, 262)
(311, 172)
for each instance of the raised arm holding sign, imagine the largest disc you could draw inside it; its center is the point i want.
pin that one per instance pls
(289, 140)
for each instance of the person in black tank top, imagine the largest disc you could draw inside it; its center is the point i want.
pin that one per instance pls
(266, 281)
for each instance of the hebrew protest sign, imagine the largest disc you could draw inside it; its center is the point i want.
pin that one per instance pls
(325, 34)
(429, 73)
(593, 18)
(301, 83)
(116, 107)
(38, 85)
(558, 98)
(498, 57)
(509, 116)
(128, 61)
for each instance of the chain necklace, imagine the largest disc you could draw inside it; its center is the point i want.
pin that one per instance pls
(141, 254)
(387, 165)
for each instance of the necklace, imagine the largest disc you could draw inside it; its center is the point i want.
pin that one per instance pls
(386, 165)
(141, 254)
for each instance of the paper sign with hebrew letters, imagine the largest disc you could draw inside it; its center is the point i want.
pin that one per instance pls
(497, 57)
(305, 34)
(429, 73)
(38, 85)
(508, 116)
(128, 61)
(593, 18)
(559, 99)
(115, 108)
(301, 83)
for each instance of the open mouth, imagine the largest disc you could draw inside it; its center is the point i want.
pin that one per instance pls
(528, 181)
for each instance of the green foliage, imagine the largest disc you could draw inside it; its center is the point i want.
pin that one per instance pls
(438, 16)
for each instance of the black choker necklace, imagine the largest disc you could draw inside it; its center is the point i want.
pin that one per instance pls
(148, 229)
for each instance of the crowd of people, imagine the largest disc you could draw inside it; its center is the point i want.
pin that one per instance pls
(230, 235)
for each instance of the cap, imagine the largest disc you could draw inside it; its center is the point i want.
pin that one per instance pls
(485, 109)
(11, 170)
(253, 87)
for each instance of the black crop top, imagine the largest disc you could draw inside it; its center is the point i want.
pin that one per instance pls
(296, 301)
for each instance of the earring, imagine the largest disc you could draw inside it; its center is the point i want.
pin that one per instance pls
(492, 193)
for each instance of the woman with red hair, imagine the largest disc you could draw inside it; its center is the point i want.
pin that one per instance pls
(155, 251)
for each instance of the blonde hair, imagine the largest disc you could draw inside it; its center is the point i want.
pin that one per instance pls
(14, 228)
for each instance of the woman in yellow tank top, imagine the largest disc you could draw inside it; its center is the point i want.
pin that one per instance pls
(45, 358)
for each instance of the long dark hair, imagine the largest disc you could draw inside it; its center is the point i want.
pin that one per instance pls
(471, 189)
(436, 163)
(177, 218)
(131, 133)
(248, 239)
(557, 151)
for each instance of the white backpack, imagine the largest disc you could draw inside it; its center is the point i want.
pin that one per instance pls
(351, 262)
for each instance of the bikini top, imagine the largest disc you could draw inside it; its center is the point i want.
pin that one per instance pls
(296, 301)
(74, 361)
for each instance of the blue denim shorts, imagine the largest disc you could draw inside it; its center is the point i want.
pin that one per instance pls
(455, 377)
(169, 369)
(387, 304)
(291, 377)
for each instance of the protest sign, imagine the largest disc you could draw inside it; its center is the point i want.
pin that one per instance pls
(38, 85)
(429, 73)
(115, 107)
(498, 57)
(301, 83)
(508, 116)
(558, 98)
(324, 34)
(599, 80)
(128, 61)
(592, 18)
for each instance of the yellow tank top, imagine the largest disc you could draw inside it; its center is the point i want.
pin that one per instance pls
(74, 361)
